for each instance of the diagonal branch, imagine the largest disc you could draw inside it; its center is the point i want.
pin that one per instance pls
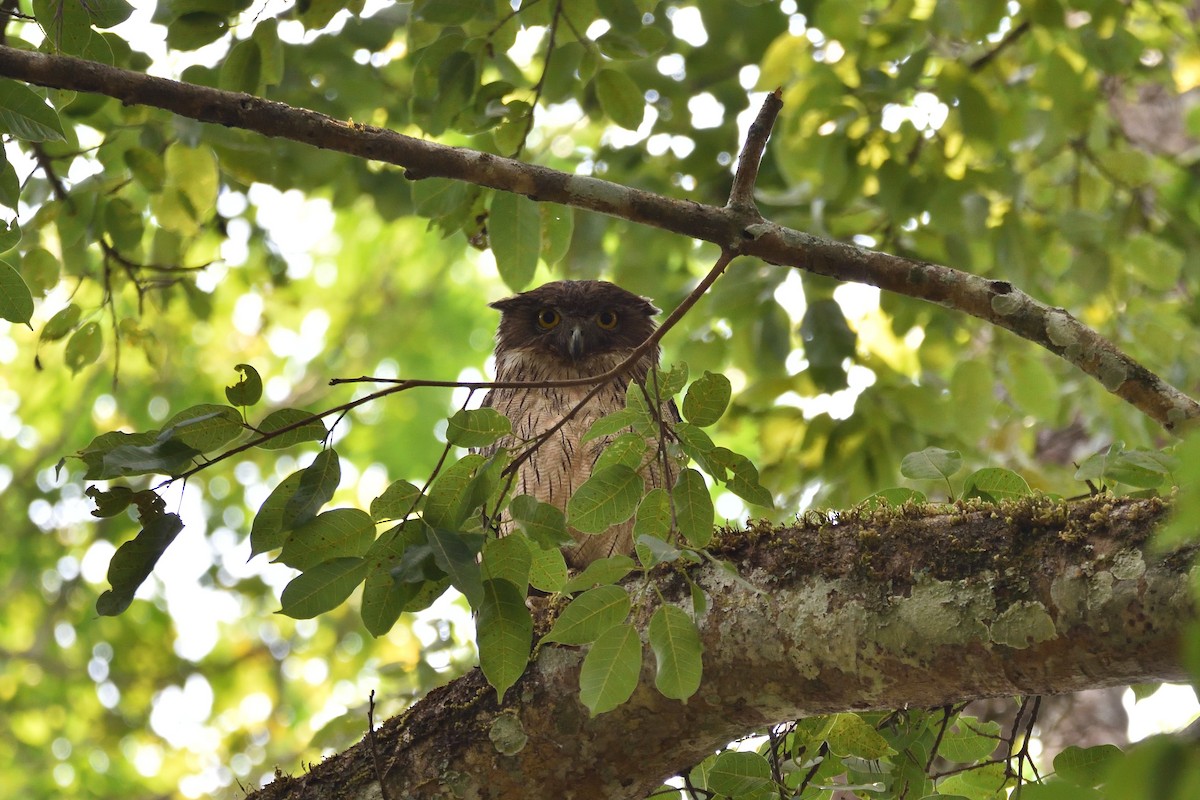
(733, 229)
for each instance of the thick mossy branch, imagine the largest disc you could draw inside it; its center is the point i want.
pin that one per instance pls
(903, 607)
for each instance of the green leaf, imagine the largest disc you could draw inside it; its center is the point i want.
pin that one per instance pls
(507, 558)
(322, 588)
(67, 25)
(668, 383)
(455, 555)
(931, 463)
(1033, 386)
(25, 115)
(614, 422)
(541, 522)
(205, 427)
(609, 496)
(735, 773)
(985, 782)
(446, 12)
(40, 270)
(134, 560)
(610, 669)
(893, 497)
(10, 185)
(589, 615)
(558, 226)
(318, 482)
(193, 171)
(677, 650)
(107, 13)
(968, 740)
(505, 634)
(84, 346)
(115, 500)
(248, 390)
(268, 532)
(384, 597)
(601, 571)
(338, 533)
(477, 427)
(515, 233)
(1086, 766)
(164, 455)
(16, 301)
(266, 35)
(308, 428)
(548, 569)
(694, 512)
(653, 516)
(620, 98)
(744, 478)
(706, 399)
(448, 504)
(628, 450)
(241, 71)
(994, 484)
(397, 500)
(851, 735)
(124, 224)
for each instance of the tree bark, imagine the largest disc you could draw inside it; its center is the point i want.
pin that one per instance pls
(900, 607)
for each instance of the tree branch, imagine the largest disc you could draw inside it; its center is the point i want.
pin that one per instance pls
(996, 302)
(883, 611)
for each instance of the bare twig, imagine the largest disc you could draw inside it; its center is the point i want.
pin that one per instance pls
(741, 196)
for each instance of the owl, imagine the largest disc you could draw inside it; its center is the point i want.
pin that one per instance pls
(559, 331)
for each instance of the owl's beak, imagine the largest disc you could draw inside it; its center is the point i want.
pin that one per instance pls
(575, 342)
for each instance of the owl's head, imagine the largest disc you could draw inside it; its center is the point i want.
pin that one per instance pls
(574, 321)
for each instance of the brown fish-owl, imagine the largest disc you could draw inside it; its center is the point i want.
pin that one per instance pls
(560, 331)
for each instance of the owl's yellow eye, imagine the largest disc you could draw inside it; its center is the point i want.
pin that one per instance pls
(547, 318)
(607, 320)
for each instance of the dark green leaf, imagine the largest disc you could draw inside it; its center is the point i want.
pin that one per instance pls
(599, 572)
(628, 449)
(737, 773)
(322, 588)
(706, 399)
(507, 558)
(268, 531)
(248, 390)
(455, 555)
(609, 496)
(505, 634)
(397, 501)
(477, 427)
(931, 463)
(107, 13)
(205, 427)
(610, 669)
(134, 560)
(307, 428)
(541, 522)
(241, 71)
(447, 504)
(515, 233)
(318, 482)
(620, 98)
(694, 512)
(332, 534)
(589, 615)
(994, 484)
(25, 115)
(16, 301)
(114, 501)
(677, 649)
